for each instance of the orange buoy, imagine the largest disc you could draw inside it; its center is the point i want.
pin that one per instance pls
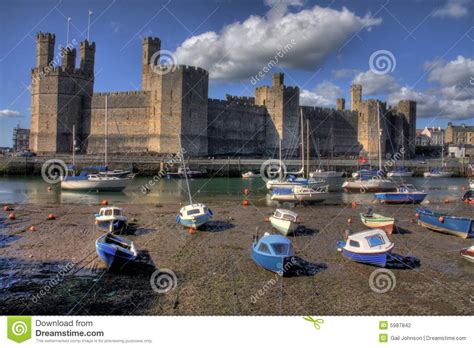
(417, 215)
(105, 202)
(446, 200)
(50, 189)
(33, 229)
(354, 204)
(246, 191)
(441, 219)
(12, 216)
(245, 202)
(7, 208)
(349, 221)
(266, 219)
(191, 231)
(51, 217)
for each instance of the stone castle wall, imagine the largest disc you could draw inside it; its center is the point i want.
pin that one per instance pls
(173, 107)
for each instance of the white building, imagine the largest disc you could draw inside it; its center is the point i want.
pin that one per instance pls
(436, 135)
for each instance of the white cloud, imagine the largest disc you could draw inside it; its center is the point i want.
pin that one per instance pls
(242, 49)
(9, 113)
(457, 72)
(344, 73)
(375, 84)
(453, 9)
(324, 95)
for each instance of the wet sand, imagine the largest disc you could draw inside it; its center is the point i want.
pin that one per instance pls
(55, 269)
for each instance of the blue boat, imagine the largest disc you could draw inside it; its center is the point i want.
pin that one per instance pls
(115, 251)
(405, 194)
(273, 252)
(369, 247)
(194, 215)
(439, 222)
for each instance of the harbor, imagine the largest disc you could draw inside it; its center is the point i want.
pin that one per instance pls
(53, 268)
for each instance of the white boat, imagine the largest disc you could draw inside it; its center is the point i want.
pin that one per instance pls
(95, 183)
(111, 219)
(400, 173)
(370, 185)
(319, 173)
(250, 175)
(468, 253)
(284, 221)
(300, 194)
(437, 173)
(471, 184)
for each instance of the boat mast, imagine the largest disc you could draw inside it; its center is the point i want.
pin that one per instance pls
(302, 140)
(380, 136)
(442, 150)
(73, 144)
(279, 151)
(185, 171)
(307, 147)
(106, 131)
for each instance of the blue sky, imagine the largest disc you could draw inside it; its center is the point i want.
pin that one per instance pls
(429, 45)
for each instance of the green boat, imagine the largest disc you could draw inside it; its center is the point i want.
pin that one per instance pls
(373, 220)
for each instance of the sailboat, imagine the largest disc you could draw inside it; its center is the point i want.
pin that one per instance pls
(193, 215)
(320, 172)
(439, 172)
(292, 181)
(102, 181)
(400, 172)
(371, 184)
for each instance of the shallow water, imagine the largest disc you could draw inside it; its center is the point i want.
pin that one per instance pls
(34, 190)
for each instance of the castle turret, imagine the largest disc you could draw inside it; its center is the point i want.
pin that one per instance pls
(87, 54)
(68, 58)
(340, 104)
(407, 109)
(356, 96)
(44, 49)
(150, 56)
(278, 79)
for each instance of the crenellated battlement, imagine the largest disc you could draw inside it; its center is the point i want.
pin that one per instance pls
(250, 107)
(45, 36)
(87, 44)
(151, 40)
(122, 93)
(239, 99)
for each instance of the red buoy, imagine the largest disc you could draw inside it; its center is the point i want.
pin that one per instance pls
(417, 215)
(441, 219)
(349, 221)
(446, 200)
(105, 202)
(246, 191)
(12, 216)
(191, 231)
(7, 208)
(51, 217)
(33, 229)
(354, 204)
(50, 189)
(245, 202)
(266, 219)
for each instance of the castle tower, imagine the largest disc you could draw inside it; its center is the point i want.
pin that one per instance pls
(68, 58)
(44, 49)
(407, 109)
(356, 97)
(283, 107)
(150, 56)
(87, 58)
(340, 104)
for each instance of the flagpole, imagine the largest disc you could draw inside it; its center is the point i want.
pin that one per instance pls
(67, 35)
(89, 24)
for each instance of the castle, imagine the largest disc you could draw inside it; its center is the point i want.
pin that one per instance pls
(173, 102)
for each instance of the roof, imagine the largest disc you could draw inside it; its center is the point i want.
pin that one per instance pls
(463, 128)
(275, 238)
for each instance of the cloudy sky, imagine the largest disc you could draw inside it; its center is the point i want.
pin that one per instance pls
(404, 49)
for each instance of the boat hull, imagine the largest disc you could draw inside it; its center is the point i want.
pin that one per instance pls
(397, 197)
(276, 264)
(114, 258)
(295, 198)
(117, 184)
(369, 186)
(195, 222)
(376, 259)
(437, 175)
(112, 226)
(468, 254)
(460, 227)
(386, 224)
(399, 174)
(285, 227)
(329, 174)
